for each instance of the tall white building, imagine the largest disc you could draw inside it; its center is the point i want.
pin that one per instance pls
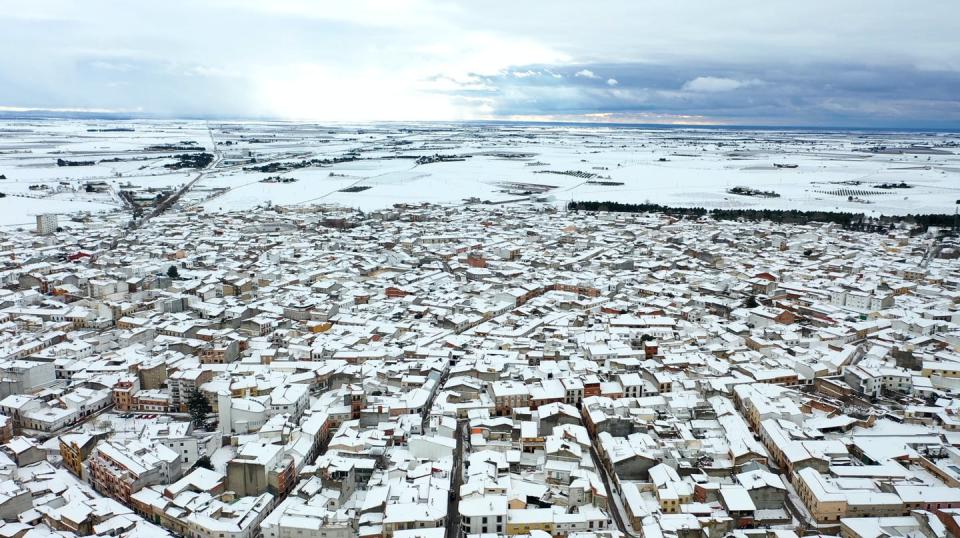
(46, 223)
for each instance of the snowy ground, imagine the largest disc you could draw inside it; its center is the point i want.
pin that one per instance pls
(680, 167)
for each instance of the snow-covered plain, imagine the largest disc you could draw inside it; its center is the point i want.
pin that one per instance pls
(496, 163)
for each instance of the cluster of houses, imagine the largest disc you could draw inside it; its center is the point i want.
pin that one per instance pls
(515, 370)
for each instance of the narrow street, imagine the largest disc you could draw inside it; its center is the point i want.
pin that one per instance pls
(796, 507)
(456, 470)
(614, 506)
(453, 502)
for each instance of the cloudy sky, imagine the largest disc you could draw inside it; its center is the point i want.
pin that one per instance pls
(829, 63)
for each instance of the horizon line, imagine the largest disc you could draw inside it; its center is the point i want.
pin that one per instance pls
(31, 113)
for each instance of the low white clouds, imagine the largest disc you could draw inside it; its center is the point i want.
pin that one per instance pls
(589, 74)
(717, 84)
(465, 83)
(621, 117)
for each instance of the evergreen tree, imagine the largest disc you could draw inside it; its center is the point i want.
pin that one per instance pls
(199, 407)
(172, 272)
(204, 462)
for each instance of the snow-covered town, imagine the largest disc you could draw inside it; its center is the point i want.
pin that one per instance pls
(437, 371)
(499, 269)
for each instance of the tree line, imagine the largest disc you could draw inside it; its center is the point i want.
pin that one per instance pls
(849, 221)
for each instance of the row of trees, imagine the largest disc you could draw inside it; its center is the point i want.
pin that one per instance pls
(294, 165)
(618, 207)
(850, 221)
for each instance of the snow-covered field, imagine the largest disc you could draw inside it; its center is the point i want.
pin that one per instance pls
(377, 166)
